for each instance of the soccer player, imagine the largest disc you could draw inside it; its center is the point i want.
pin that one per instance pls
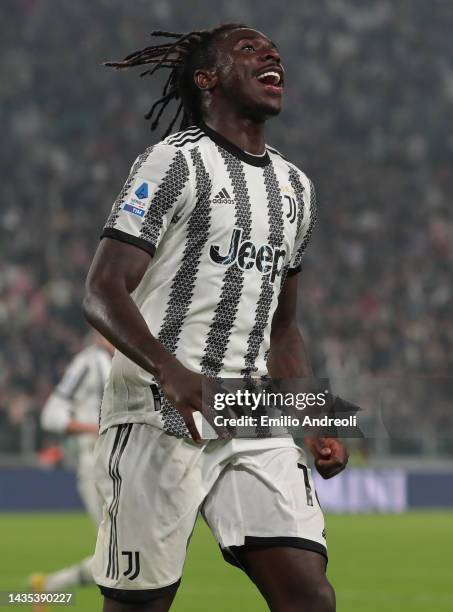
(73, 410)
(196, 278)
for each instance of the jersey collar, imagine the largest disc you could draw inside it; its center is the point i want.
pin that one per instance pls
(254, 160)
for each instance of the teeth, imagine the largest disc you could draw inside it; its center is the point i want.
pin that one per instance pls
(270, 73)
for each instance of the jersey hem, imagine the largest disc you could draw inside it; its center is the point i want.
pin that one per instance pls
(150, 420)
(124, 418)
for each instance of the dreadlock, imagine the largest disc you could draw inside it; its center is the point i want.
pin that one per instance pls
(182, 56)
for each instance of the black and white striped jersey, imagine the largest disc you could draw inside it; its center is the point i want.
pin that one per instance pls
(78, 396)
(224, 228)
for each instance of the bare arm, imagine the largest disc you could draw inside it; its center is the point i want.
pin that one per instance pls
(115, 273)
(288, 358)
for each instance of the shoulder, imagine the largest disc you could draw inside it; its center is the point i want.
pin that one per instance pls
(186, 139)
(275, 153)
(159, 161)
(173, 150)
(295, 174)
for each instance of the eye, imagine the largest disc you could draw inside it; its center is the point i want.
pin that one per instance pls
(248, 46)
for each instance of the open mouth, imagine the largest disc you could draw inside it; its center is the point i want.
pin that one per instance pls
(272, 79)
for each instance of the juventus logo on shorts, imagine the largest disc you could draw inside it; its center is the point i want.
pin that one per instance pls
(133, 560)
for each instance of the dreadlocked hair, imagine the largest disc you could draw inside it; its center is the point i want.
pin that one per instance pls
(181, 56)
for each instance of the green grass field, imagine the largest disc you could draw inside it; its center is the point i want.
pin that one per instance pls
(396, 563)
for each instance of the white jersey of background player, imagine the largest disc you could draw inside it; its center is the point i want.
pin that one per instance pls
(73, 410)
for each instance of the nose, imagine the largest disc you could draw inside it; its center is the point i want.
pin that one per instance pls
(271, 53)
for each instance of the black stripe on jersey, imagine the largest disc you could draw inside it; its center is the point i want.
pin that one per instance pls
(174, 138)
(190, 140)
(296, 184)
(233, 280)
(298, 189)
(165, 197)
(127, 185)
(116, 234)
(313, 218)
(183, 285)
(275, 239)
(119, 444)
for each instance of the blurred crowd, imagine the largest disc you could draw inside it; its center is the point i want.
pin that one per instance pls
(369, 100)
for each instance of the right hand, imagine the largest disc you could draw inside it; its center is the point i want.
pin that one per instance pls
(183, 389)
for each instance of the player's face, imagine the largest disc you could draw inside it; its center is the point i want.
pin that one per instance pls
(250, 73)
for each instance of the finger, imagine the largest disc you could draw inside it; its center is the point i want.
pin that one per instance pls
(210, 414)
(190, 424)
(319, 444)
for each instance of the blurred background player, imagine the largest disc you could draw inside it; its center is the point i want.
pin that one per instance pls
(72, 409)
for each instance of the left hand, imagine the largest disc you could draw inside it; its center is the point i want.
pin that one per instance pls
(331, 455)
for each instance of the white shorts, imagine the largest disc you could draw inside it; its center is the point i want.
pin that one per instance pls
(250, 492)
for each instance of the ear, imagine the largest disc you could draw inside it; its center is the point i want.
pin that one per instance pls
(205, 79)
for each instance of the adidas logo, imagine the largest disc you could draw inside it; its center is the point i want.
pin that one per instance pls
(223, 197)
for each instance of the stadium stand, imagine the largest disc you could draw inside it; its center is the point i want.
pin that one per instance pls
(369, 93)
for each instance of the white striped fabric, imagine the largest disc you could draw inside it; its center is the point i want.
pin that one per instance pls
(224, 228)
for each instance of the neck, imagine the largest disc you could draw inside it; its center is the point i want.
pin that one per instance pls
(246, 134)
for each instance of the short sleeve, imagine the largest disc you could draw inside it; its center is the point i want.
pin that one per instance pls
(157, 185)
(305, 229)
